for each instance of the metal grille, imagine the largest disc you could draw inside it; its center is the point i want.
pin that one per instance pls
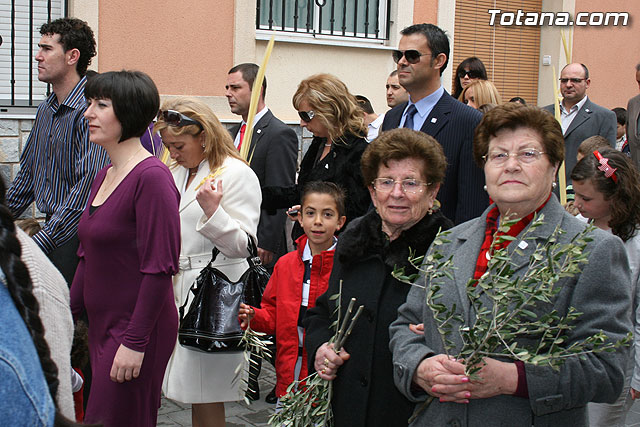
(367, 19)
(19, 35)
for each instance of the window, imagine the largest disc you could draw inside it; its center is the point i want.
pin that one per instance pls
(367, 19)
(510, 54)
(20, 37)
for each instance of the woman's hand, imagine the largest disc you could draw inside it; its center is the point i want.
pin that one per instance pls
(126, 364)
(294, 216)
(245, 314)
(417, 329)
(208, 196)
(328, 361)
(496, 378)
(634, 393)
(444, 378)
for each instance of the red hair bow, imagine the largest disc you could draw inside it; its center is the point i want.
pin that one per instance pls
(609, 172)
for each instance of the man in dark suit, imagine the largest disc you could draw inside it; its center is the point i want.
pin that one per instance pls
(422, 57)
(581, 118)
(633, 119)
(273, 154)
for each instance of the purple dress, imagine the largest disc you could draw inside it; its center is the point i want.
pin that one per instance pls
(129, 248)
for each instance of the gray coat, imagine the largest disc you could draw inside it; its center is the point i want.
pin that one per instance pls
(633, 133)
(602, 293)
(591, 120)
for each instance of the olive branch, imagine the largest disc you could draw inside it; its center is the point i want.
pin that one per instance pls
(508, 307)
(308, 401)
(256, 343)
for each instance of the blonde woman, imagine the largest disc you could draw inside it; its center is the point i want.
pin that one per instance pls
(219, 206)
(331, 113)
(479, 93)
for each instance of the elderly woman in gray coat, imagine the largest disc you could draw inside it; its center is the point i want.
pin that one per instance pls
(520, 149)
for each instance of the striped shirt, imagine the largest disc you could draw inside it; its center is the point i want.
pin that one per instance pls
(57, 167)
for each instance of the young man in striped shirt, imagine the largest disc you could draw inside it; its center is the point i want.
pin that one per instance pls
(58, 163)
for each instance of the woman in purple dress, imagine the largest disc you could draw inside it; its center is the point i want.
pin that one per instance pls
(129, 246)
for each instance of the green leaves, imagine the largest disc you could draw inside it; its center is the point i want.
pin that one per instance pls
(512, 314)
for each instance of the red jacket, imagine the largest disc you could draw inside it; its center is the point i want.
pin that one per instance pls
(281, 307)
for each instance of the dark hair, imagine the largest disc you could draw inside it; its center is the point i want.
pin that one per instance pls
(621, 115)
(400, 144)
(365, 104)
(21, 290)
(584, 68)
(475, 64)
(638, 66)
(393, 73)
(514, 116)
(74, 34)
(437, 40)
(325, 187)
(134, 96)
(593, 143)
(624, 195)
(249, 73)
(518, 99)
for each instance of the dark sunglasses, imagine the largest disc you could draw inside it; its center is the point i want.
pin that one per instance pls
(176, 119)
(471, 73)
(574, 81)
(412, 56)
(306, 116)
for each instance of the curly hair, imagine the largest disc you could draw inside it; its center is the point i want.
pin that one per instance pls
(623, 195)
(218, 144)
(400, 144)
(74, 34)
(335, 107)
(515, 116)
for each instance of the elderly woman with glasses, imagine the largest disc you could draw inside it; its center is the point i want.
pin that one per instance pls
(332, 114)
(403, 169)
(520, 149)
(129, 244)
(219, 206)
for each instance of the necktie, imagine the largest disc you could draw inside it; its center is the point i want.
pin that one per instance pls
(411, 111)
(242, 129)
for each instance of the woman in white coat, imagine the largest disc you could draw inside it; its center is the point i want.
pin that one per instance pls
(219, 206)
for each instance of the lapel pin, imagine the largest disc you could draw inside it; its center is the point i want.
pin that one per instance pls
(523, 245)
(433, 120)
(259, 130)
(326, 166)
(587, 110)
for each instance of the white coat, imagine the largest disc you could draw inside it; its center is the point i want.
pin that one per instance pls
(192, 376)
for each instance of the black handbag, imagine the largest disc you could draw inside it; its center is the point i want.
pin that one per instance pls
(211, 322)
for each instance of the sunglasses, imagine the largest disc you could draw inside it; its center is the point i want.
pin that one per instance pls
(471, 73)
(306, 116)
(176, 119)
(574, 81)
(412, 56)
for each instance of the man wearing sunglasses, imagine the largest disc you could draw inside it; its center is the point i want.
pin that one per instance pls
(581, 118)
(422, 56)
(275, 153)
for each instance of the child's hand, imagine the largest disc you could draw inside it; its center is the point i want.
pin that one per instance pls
(293, 212)
(245, 314)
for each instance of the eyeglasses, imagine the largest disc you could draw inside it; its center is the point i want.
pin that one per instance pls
(412, 186)
(412, 56)
(471, 73)
(176, 119)
(572, 80)
(306, 116)
(526, 155)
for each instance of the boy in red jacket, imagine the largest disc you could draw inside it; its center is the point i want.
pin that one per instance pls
(298, 278)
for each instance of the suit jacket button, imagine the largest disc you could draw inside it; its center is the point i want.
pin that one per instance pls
(364, 382)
